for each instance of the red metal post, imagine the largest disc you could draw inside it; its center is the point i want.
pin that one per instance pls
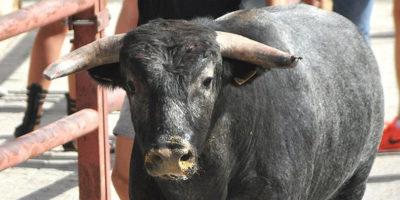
(93, 148)
(39, 14)
(48, 137)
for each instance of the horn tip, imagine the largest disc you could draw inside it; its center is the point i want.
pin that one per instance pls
(51, 74)
(294, 60)
(47, 77)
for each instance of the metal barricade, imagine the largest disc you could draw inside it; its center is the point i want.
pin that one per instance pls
(89, 124)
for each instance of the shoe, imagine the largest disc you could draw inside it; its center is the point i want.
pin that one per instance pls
(71, 109)
(3, 91)
(71, 104)
(391, 136)
(69, 146)
(112, 145)
(36, 95)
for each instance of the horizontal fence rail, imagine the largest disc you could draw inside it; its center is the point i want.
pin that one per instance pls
(88, 125)
(40, 14)
(48, 137)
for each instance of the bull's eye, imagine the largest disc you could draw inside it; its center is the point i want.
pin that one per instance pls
(207, 82)
(130, 87)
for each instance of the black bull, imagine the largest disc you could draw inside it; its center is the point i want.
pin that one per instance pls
(212, 127)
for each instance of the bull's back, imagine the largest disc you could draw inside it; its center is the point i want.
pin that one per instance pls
(316, 124)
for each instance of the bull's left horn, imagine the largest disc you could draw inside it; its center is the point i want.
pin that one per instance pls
(103, 51)
(242, 48)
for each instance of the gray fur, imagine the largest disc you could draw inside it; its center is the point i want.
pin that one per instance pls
(308, 133)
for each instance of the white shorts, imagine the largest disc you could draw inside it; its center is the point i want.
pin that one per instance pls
(124, 124)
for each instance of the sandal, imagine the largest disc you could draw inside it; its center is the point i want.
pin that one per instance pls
(71, 109)
(36, 95)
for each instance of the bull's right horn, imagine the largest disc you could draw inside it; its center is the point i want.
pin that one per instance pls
(103, 51)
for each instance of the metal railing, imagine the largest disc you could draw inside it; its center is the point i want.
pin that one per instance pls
(88, 125)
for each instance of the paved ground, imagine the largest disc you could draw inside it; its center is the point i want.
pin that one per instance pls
(53, 175)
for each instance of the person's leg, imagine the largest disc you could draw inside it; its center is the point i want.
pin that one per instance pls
(391, 134)
(396, 17)
(120, 172)
(316, 3)
(125, 133)
(357, 11)
(276, 2)
(127, 20)
(46, 49)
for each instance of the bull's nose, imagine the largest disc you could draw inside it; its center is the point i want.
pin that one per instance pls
(171, 157)
(167, 155)
(170, 163)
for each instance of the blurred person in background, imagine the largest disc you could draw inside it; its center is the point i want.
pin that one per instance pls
(391, 134)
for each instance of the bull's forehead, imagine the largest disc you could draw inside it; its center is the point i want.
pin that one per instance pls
(178, 66)
(170, 46)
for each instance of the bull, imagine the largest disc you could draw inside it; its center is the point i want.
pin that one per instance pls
(222, 109)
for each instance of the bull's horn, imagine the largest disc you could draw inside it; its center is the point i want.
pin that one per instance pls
(103, 51)
(241, 48)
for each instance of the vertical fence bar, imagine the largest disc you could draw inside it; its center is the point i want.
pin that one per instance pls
(93, 148)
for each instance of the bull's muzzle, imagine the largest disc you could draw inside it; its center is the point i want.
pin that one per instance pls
(173, 162)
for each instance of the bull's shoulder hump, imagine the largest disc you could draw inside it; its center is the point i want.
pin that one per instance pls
(281, 15)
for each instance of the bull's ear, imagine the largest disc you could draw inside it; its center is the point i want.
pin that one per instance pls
(244, 77)
(107, 75)
(241, 73)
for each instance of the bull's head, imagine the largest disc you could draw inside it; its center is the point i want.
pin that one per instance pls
(172, 72)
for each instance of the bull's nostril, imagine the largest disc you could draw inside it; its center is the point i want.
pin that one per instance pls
(173, 176)
(186, 157)
(156, 158)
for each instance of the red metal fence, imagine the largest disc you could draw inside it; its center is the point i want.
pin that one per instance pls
(88, 19)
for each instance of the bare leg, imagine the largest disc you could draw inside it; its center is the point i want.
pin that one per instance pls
(275, 2)
(120, 173)
(128, 17)
(391, 134)
(396, 15)
(127, 20)
(72, 87)
(316, 3)
(46, 49)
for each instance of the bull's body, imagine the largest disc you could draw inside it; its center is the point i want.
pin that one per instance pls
(307, 133)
